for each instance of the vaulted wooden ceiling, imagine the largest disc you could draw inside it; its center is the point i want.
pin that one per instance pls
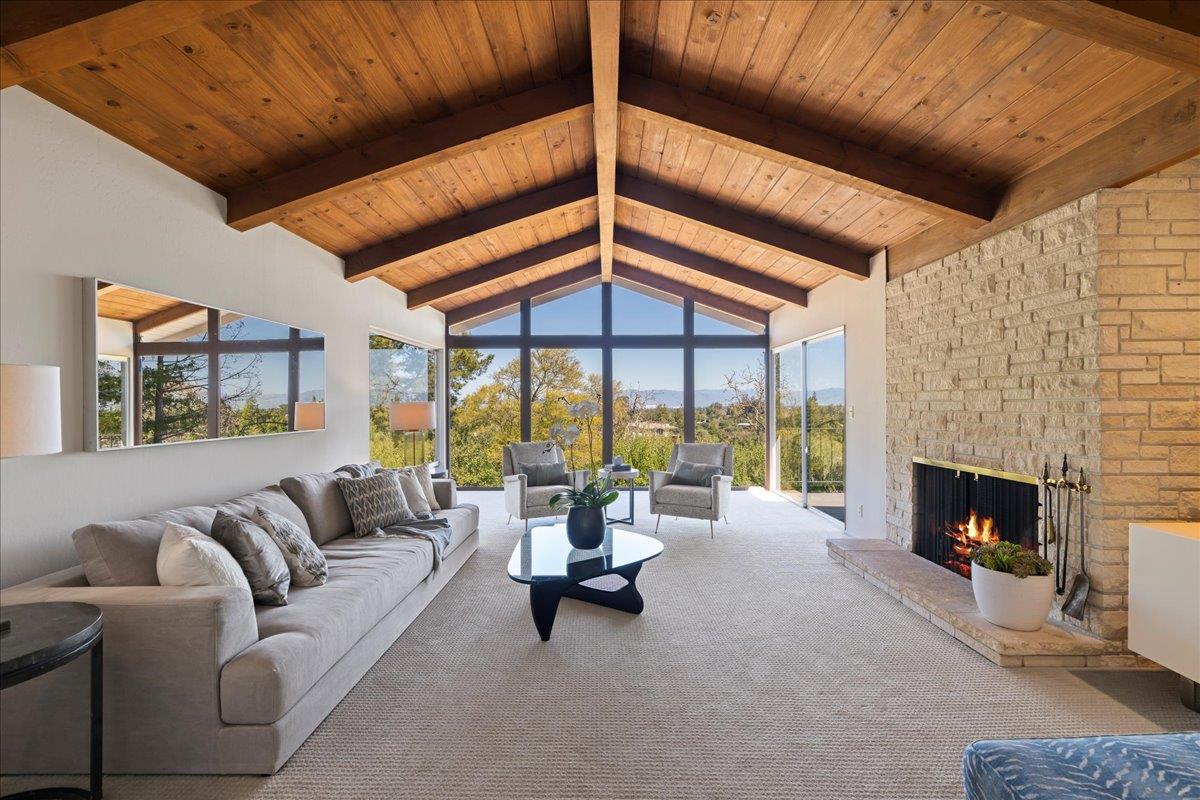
(467, 151)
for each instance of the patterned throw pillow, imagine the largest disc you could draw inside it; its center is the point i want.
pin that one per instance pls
(258, 556)
(360, 470)
(546, 474)
(306, 564)
(375, 502)
(688, 474)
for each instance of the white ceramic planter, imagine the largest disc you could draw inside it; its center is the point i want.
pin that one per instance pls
(1011, 602)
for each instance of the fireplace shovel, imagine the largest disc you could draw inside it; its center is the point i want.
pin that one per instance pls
(1077, 595)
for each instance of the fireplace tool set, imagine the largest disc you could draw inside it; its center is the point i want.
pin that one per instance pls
(1058, 492)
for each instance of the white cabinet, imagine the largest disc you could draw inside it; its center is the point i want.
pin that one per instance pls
(1164, 594)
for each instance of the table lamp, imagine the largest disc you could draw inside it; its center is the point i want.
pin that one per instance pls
(310, 416)
(30, 415)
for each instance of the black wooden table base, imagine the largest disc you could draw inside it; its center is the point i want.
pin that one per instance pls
(545, 594)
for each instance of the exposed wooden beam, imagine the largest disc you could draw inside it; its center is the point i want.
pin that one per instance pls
(802, 148)
(414, 148)
(604, 22)
(714, 268)
(1163, 31)
(38, 37)
(553, 283)
(396, 252)
(165, 317)
(103, 288)
(1164, 134)
(775, 238)
(502, 268)
(664, 284)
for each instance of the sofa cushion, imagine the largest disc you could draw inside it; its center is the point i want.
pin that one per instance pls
(1092, 768)
(273, 499)
(674, 494)
(300, 642)
(464, 520)
(539, 496)
(320, 500)
(125, 553)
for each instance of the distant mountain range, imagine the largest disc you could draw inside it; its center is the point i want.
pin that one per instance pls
(673, 398)
(275, 400)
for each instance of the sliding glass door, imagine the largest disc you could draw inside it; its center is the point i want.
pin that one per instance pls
(810, 423)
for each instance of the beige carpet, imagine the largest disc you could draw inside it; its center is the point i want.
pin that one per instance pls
(759, 669)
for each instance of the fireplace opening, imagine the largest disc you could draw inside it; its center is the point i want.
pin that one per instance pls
(959, 507)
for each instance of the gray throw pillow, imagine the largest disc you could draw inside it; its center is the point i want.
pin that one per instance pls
(425, 477)
(546, 474)
(375, 502)
(414, 494)
(689, 474)
(258, 556)
(306, 564)
(360, 470)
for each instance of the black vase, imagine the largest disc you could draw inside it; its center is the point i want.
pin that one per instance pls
(585, 527)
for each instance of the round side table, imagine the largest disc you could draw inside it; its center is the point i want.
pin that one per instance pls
(41, 637)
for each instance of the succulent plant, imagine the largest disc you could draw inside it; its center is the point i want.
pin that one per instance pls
(1010, 557)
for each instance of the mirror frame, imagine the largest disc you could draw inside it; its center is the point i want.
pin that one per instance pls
(91, 400)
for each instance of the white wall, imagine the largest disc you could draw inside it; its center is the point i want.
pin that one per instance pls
(77, 202)
(859, 306)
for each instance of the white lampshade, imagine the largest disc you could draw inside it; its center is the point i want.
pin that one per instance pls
(30, 410)
(412, 416)
(310, 416)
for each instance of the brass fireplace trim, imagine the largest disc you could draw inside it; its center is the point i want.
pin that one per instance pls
(991, 473)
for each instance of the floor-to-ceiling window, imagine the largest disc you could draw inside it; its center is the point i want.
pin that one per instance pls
(606, 369)
(403, 385)
(810, 422)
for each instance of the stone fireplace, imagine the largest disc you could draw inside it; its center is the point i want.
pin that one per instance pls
(957, 507)
(1077, 332)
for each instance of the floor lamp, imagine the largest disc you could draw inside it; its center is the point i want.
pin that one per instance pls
(413, 418)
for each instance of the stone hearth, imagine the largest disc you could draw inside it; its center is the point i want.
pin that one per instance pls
(945, 599)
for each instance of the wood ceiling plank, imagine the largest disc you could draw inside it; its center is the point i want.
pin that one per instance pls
(1166, 33)
(482, 277)
(396, 252)
(903, 44)
(504, 32)
(570, 28)
(558, 143)
(345, 171)
(803, 148)
(823, 29)
(39, 38)
(555, 282)
(386, 35)
(712, 267)
(952, 87)
(851, 53)
(1044, 58)
(670, 39)
(654, 280)
(474, 50)
(743, 31)
(956, 41)
(706, 28)
(735, 224)
(1162, 135)
(165, 317)
(604, 24)
(639, 20)
(541, 46)
(785, 24)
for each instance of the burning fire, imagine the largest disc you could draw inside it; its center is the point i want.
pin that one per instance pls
(968, 535)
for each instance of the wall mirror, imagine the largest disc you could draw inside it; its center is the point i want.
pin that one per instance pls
(162, 370)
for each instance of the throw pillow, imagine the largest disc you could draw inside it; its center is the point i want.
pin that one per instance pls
(360, 470)
(414, 495)
(546, 474)
(186, 557)
(306, 564)
(426, 479)
(689, 474)
(375, 502)
(258, 556)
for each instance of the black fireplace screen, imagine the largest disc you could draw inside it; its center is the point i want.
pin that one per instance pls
(956, 510)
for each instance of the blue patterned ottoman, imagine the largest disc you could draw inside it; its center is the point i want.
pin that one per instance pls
(1153, 767)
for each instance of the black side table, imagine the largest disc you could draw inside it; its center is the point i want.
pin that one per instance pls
(40, 638)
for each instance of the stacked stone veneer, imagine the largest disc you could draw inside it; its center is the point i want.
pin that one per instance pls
(1077, 332)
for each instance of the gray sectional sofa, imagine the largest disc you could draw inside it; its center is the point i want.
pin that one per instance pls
(202, 680)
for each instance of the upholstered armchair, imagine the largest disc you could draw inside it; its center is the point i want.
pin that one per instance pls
(527, 502)
(695, 502)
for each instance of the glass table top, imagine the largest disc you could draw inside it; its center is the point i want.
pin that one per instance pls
(544, 553)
